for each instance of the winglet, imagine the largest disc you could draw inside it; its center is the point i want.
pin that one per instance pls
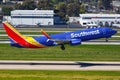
(44, 33)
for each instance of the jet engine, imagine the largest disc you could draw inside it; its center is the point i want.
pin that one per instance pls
(75, 42)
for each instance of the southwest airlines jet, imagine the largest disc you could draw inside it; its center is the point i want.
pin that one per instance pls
(72, 38)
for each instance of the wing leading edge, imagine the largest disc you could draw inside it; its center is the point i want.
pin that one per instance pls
(62, 42)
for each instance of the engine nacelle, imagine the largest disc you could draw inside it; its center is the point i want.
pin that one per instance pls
(75, 42)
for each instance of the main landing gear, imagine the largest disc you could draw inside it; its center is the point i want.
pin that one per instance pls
(62, 47)
(106, 40)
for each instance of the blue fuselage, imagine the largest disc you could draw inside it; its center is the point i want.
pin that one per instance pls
(80, 35)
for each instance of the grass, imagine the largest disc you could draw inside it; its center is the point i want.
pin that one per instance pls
(117, 34)
(72, 53)
(58, 75)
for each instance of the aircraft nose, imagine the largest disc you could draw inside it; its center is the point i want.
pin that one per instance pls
(114, 31)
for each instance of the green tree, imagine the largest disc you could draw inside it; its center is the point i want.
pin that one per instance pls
(73, 9)
(45, 4)
(62, 9)
(18, 6)
(73, 1)
(82, 9)
(99, 4)
(55, 1)
(106, 4)
(6, 10)
(27, 5)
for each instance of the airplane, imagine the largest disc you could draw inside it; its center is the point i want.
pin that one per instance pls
(72, 38)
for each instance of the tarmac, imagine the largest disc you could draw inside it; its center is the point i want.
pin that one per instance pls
(59, 65)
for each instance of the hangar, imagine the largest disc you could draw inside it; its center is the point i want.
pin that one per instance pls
(101, 20)
(32, 17)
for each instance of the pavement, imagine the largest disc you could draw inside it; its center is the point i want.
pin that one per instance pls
(59, 65)
(102, 42)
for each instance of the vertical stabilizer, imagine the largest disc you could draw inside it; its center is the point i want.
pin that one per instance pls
(19, 38)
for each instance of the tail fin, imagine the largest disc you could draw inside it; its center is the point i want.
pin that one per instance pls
(19, 38)
(12, 32)
(9, 28)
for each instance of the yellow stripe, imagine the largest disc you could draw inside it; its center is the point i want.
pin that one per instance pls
(33, 41)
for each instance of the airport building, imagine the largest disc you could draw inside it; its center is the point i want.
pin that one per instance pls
(32, 17)
(100, 20)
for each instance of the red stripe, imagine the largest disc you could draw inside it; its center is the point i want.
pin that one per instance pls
(18, 38)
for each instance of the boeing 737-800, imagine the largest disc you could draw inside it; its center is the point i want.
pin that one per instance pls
(72, 38)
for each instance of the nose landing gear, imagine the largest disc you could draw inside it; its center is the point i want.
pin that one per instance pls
(106, 40)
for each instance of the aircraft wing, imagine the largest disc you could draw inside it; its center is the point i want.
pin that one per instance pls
(72, 42)
(55, 40)
(62, 42)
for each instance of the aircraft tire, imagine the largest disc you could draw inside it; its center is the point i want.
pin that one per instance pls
(62, 47)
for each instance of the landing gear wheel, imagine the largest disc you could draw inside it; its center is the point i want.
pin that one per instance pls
(62, 47)
(106, 39)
